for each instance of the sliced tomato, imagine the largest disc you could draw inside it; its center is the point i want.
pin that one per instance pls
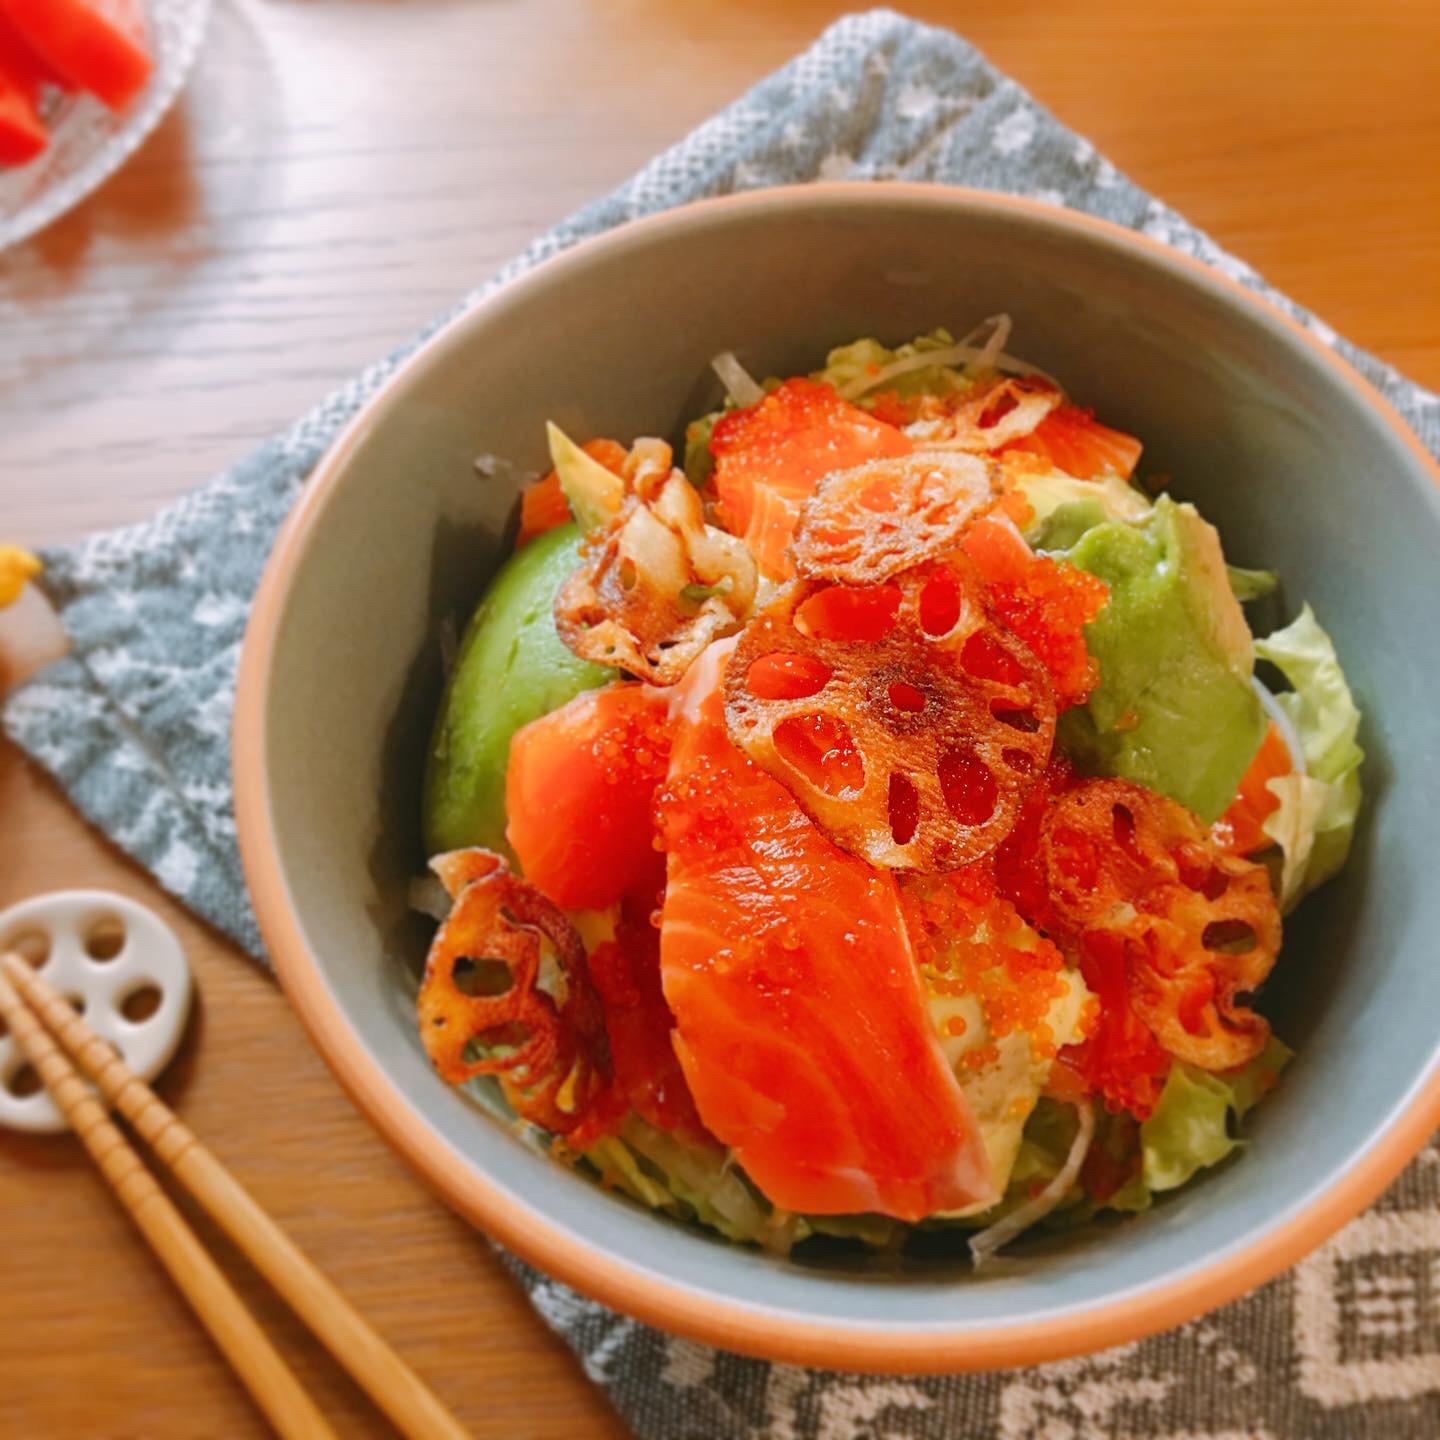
(1242, 827)
(1046, 602)
(800, 1015)
(1072, 440)
(770, 456)
(578, 796)
(96, 45)
(22, 73)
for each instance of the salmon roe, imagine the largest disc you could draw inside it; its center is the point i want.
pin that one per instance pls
(1045, 602)
(972, 941)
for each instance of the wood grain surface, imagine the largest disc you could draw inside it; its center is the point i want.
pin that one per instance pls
(337, 172)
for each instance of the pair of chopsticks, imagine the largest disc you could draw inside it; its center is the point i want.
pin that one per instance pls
(25, 1001)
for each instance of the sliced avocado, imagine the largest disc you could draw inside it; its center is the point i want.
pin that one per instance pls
(512, 668)
(1175, 708)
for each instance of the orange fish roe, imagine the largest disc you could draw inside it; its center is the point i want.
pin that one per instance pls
(1120, 1058)
(1046, 602)
(972, 941)
(980, 1057)
(892, 407)
(770, 456)
(647, 1076)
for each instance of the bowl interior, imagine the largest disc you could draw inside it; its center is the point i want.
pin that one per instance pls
(1294, 466)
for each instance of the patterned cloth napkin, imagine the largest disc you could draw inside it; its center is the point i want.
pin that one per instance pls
(135, 724)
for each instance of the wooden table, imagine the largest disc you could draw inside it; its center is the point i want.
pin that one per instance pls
(337, 172)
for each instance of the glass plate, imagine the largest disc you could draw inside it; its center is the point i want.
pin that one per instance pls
(87, 142)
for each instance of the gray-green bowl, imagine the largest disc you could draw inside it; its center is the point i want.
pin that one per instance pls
(1298, 461)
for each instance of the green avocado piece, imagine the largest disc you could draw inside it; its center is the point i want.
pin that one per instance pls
(1175, 708)
(511, 669)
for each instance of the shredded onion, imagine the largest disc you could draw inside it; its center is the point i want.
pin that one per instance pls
(738, 383)
(995, 345)
(1283, 724)
(429, 897)
(986, 1242)
(964, 354)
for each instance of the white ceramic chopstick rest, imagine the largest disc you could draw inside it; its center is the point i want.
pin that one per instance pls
(114, 956)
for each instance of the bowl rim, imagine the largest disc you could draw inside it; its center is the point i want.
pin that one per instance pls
(669, 1304)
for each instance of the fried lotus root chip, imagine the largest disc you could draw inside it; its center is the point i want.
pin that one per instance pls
(986, 418)
(871, 522)
(1201, 925)
(657, 584)
(1196, 956)
(482, 1008)
(905, 722)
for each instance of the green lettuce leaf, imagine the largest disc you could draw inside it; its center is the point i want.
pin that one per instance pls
(1316, 819)
(1252, 584)
(1175, 708)
(1189, 1128)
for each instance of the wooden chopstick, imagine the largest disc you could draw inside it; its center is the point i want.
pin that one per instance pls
(268, 1378)
(393, 1386)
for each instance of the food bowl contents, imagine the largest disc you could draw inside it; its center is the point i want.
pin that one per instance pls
(875, 825)
(98, 47)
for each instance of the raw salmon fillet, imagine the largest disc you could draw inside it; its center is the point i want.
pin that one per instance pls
(770, 457)
(800, 1015)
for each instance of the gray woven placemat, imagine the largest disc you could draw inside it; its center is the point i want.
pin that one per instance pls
(135, 724)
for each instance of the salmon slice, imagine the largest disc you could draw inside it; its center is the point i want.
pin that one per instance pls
(579, 789)
(1072, 440)
(770, 456)
(801, 1022)
(1242, 827)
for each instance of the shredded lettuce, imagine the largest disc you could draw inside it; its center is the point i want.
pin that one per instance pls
(1189, 1128)
(699, 462)
(878, 1232)
(1066, 508)
(1175, 709)
(690, 1181)
(1251, 584)
(849, 366)
(1316, 819)
(700, 1182)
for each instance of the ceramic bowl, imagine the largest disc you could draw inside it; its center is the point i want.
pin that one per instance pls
(1298, 461)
